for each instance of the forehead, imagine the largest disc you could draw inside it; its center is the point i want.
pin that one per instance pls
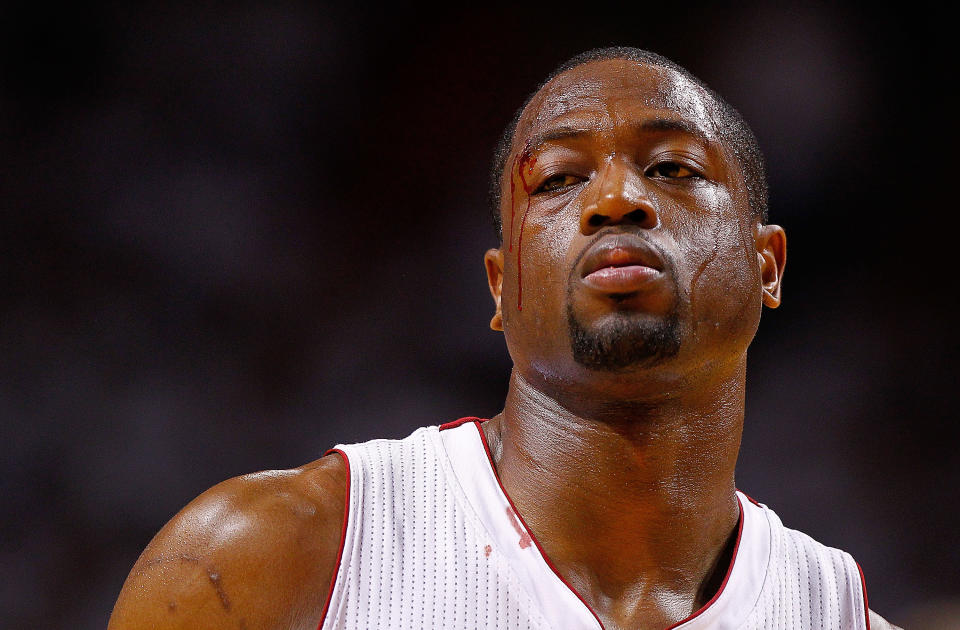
(616, 92)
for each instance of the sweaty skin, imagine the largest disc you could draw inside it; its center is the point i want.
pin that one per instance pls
(254, 552)
(635, 220)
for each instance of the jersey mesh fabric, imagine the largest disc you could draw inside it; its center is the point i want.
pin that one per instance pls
(418, 554)
(809, 585)
(413, 557)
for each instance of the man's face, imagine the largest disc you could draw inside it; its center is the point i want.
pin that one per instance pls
(628, 245)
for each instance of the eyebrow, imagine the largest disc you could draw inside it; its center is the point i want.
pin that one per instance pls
(557, 133)
(672, 124)
(652, 125)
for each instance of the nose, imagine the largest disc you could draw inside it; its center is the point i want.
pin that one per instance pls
(621, 199)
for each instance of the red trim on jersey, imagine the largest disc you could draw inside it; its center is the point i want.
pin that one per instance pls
(726, 578)
(866, 604)
(752, 500)
(486, 448)
(457, 423)
(546, 558)
(343, 535)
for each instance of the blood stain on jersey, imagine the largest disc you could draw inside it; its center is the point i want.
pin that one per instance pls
(525, 539)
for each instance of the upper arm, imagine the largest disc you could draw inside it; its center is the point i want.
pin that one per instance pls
(257, 551)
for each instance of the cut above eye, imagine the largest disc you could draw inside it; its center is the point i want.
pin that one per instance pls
(558, 182)
(670, 170)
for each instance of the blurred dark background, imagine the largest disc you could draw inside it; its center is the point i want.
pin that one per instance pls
(234, 236)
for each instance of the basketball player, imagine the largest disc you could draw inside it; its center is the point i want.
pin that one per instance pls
(634, 263)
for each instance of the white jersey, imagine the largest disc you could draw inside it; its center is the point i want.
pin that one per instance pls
(431, 540)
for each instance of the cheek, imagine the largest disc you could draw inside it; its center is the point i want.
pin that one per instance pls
(536, 274)
(538, 261)
(718, 271)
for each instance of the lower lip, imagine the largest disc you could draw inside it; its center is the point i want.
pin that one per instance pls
(626, 279)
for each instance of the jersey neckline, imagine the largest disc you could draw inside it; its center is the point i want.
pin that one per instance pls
(469, 457)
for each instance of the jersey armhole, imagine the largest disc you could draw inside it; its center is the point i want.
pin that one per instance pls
(343, 536)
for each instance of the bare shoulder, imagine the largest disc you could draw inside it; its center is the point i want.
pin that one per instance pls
(879, 623)
(257, 551)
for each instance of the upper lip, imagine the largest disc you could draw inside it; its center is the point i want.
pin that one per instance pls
(620, 250)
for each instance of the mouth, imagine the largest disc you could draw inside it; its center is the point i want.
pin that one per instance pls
(621, 265)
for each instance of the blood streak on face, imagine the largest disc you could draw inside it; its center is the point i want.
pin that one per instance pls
(513, 188)
(526, 163)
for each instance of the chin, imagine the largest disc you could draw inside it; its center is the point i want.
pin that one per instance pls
(622, 342)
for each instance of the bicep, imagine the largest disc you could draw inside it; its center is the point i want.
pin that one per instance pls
(181, 579)
(254, 552)
(169, 589)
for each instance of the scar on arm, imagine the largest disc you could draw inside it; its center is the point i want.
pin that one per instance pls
(218, 587)
(213, 576)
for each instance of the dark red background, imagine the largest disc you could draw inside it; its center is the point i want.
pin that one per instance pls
(236, 235)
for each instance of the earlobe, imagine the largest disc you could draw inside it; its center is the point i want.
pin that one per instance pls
(493, 260)
(772, 258)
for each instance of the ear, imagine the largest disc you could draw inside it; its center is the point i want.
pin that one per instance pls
(494, 262)
(771, 244)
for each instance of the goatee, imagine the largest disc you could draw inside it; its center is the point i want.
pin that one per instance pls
(623, 340)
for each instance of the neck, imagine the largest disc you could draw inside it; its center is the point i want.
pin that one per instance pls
(634, 503)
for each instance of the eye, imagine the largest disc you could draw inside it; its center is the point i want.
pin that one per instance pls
(558, 182)
(671, 170)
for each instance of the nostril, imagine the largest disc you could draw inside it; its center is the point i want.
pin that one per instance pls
(597, 220)
(637, 216)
